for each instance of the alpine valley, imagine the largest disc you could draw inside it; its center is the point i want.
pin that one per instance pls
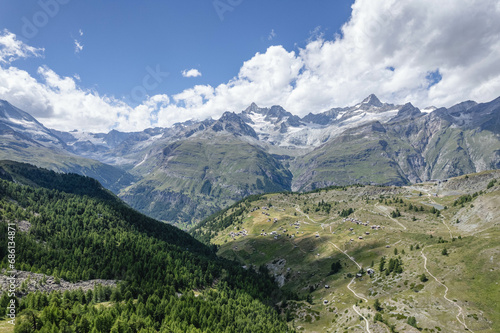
(371, 218)
(186, 172)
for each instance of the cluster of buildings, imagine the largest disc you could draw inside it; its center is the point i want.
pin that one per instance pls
(275, 234)
(242, 233)
(358, 222)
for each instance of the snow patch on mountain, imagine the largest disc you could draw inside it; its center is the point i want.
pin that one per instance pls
(87, 137)
(429, 109)
(277, 132)
(24, 124)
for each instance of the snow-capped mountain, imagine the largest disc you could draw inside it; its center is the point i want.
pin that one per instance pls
(20, 125)
(191, 169)
(25, 139)
(274, 127)
(280, 128)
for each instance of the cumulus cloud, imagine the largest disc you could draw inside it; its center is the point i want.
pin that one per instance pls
(403, 51)
(392, 48)
(413, 50)
(11, 48)
(191, 73)
(59, 103)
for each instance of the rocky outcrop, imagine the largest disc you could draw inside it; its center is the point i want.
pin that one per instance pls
(27, 282)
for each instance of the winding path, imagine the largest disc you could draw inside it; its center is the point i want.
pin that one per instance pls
(349, 287)
(401, 224)
(366, 320)
(442, 217)
(461, 310)
(348, 256)
(297, 208)
(451, 235)
(352, 290)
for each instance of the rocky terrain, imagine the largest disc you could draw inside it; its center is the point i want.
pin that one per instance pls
(28, 282)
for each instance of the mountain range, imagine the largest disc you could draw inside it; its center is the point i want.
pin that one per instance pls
(183, 173)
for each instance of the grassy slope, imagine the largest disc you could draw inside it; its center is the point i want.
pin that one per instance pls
(111, 177)
(5, 327)
(194, 178)
(356, 157)
(469, 271)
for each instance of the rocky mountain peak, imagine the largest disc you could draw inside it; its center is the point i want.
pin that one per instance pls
(408, 111)
(457, 109)
(8, 111)
(254, 108)
(22, 123)
(233, 123)
(372, 100)
(278, 111)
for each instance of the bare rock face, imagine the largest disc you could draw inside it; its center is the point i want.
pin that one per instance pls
(23, 226)
(277, 269)
(27, 282)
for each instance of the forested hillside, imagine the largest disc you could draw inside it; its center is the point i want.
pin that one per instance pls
(167, 281)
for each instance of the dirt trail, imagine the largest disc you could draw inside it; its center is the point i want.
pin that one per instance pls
(355, 294)
(393, 219)
(348, 256)
(352, 290)
(399, 241)
(460, 316)
(451, 235)
(366, 320)
(442, 218)
(297, 208)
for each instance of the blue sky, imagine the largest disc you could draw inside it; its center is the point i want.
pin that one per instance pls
(121, 38)
(100, 65)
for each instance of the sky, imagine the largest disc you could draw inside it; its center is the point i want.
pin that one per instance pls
(98, 65)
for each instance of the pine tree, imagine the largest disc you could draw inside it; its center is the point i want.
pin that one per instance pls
(377, 305)
(412, 322)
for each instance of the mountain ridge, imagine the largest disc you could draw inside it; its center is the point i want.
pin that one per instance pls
(189, 166)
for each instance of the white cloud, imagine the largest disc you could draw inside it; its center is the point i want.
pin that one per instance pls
(11, 48)
(272, 34)
(415, 38)
(388, 47)
(80, 32)
(191, 73)
(59, 103)
(78, 46)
